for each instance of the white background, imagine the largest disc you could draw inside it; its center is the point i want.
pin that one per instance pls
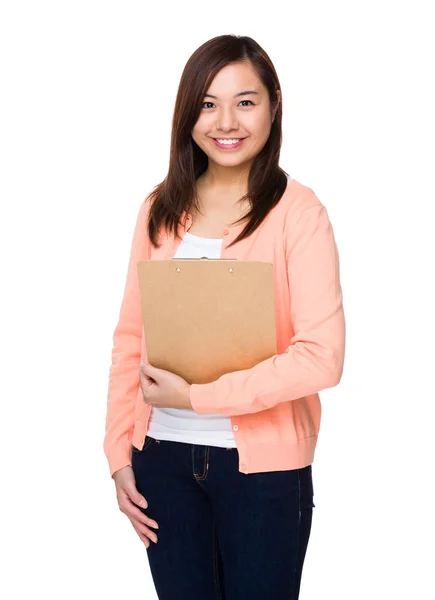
(88, 90)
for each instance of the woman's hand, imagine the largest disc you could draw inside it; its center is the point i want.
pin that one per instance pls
(164, 389)
(129, 501)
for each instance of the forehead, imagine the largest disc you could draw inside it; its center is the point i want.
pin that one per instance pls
(234, 78)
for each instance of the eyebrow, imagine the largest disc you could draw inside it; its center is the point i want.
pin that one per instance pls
(245, 93)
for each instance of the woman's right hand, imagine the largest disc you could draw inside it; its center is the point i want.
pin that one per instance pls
(128, 501)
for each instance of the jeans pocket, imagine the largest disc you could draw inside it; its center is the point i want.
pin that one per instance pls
(147, 444)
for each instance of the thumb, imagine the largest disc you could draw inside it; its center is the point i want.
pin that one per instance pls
(149, 370)
(136, 497)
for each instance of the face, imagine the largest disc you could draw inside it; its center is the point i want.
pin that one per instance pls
(235, 119)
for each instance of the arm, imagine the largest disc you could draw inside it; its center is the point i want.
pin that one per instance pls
(126, 355)
(314, 359)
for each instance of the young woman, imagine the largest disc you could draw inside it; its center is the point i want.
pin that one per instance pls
(222, 470)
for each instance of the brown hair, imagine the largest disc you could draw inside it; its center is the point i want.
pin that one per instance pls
(177, 192)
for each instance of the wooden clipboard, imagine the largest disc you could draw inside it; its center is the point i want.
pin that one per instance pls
(205, 317)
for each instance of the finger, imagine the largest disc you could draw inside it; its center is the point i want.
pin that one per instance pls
(150, 371)
(144, 379)
(145, 540)
(146, 382)
(133, 512)
(142, 536)
(134, 495)
(145, 385)
(143, 529)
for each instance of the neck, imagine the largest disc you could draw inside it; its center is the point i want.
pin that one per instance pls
(226, 178)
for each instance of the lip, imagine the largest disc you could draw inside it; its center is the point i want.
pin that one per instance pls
(226, 147)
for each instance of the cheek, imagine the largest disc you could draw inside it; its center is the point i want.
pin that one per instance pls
(259, 128)
(201, 126)
(199, 136)
(195, 134)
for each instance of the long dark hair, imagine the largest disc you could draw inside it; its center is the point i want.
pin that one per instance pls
(177, 192)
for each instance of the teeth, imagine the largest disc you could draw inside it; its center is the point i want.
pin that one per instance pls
(228, 142)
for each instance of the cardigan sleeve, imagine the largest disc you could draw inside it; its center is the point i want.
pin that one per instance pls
(315, 356)
(124, 377)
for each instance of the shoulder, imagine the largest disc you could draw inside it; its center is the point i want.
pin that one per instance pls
(305, 219)
(144, 209)
(298, 198)
(147, 202)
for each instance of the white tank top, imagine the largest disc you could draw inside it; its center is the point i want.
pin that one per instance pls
(183, 425)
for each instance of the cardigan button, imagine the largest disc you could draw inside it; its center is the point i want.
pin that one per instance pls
(236, 427)
(243, 467)
(226, 231)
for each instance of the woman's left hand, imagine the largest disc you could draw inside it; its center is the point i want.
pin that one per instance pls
(164, 389)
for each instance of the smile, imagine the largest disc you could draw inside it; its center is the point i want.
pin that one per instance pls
(228, 144)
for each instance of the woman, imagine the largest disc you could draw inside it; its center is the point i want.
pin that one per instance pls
(223, 470)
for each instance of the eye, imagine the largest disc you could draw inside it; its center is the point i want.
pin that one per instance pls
(240, 102)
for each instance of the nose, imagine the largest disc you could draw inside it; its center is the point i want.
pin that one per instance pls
(226, 120)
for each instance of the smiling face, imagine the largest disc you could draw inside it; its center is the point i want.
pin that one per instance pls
(235, 119)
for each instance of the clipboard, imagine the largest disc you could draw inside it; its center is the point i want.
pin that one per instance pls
(203, 318)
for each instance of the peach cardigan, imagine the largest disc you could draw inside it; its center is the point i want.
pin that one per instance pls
(274, 407)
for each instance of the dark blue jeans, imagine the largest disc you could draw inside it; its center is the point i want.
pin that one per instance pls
(223, 535)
